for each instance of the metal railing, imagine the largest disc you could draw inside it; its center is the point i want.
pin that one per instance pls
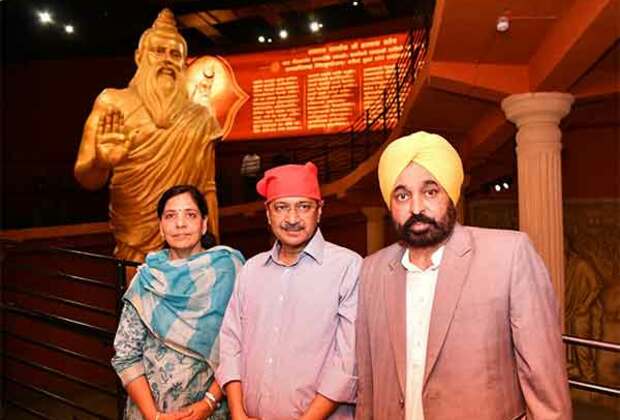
(14, 307)
(595, 344)
(106, 335)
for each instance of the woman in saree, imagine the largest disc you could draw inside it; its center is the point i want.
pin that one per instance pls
(167, 340)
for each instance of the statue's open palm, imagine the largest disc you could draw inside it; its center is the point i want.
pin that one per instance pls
(113, 138)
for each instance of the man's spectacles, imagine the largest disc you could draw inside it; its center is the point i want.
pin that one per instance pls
(300, 208)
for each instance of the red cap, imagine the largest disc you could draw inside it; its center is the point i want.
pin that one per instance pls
(290, 181)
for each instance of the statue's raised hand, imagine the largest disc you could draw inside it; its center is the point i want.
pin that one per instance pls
(113, 139)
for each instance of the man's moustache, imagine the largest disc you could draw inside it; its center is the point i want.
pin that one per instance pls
(419, 218)
(292, 227)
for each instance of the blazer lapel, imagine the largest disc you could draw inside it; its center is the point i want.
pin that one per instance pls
(394, 280)
(453, 271)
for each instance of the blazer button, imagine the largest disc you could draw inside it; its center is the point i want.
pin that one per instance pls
(401, 402)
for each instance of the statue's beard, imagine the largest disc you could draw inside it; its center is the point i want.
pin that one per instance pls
(162, 90)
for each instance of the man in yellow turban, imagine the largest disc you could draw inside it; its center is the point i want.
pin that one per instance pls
(454, 322)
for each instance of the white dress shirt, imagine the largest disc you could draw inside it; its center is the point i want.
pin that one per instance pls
(420, 295)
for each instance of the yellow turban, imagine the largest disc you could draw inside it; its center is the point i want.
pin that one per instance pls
(432, 152)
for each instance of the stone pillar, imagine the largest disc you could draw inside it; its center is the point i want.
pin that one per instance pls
(375, 228)
(537, 116)
(461, 206)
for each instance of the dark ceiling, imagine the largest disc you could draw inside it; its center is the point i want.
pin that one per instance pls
(113, 27)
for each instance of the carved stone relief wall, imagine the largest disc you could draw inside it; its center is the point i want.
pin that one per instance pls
(592, 248)
(592, 231)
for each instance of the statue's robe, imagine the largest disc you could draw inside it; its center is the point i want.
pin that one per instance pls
(158, 159)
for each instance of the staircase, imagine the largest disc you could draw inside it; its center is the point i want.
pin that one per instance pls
(60, 309)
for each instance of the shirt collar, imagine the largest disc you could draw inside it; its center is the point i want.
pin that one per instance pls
(314, 249)
(435, 261)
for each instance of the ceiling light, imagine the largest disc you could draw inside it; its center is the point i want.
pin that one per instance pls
(356, 3)
(315, 26)
(69, 29)
(269, 40)
(283, 34)
(45, 17)
(498, 187)
(261, 39)
(503, 24)
(505, 185)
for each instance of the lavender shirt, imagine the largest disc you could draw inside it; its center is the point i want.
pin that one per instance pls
(288, 332)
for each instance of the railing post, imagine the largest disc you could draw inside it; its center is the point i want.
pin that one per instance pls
(412, 63)
(396, 75)
(367, 133)
(385, 111)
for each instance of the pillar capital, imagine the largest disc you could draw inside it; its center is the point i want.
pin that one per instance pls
(537, 107)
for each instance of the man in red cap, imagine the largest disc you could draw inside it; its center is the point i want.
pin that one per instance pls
(287, 341)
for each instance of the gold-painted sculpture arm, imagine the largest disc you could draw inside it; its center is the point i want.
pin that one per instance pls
(89, 173)
(105, 143)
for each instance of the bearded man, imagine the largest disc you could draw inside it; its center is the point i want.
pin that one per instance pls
(147, 138)
(454, 322)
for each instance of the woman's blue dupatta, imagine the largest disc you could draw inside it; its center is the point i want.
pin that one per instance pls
(183, 301)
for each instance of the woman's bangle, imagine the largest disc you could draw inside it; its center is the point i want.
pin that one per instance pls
(210, 399)
(209, 403)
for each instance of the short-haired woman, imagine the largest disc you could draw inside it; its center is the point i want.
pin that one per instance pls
(166, 343)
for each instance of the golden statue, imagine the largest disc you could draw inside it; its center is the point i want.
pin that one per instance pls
(147, 138)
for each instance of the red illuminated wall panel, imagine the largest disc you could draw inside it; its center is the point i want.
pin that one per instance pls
(301, 91)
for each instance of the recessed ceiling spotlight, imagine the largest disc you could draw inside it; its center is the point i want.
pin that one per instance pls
(503, 23)
(283, 34)
(69, 29)
(45, 17)
(506, 185)
(356, 3)
(269, 40)
(261, 39)
(498, 187)
(315, 26)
